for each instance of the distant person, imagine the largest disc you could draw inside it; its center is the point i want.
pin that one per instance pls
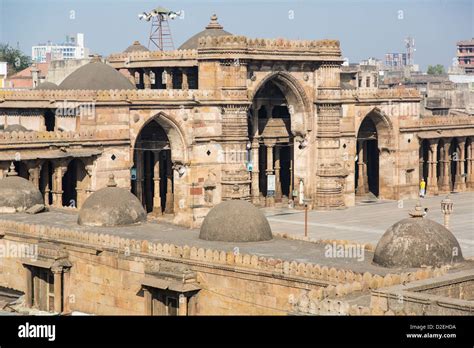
(422, 188)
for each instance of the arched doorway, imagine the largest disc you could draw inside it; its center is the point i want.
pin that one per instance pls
(272, 140)
(367, 168)
(152, 172)
(46, 182)
(74, 183)
(424, 160)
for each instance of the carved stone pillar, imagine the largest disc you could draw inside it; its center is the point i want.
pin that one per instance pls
(156, 180)
(29, 287)
(460, 179)
(270, 201)
(278, 191)
(58, 286)
(132, 77)
(59, 172)
(169, 78)
(185, 83)
(34, 175)
(255, 172)
(146, 78)
(169, 185)
(432, 182)
(361, 181)
(470, 164)
(446, 182)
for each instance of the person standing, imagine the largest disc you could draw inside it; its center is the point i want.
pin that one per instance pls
(422, 188)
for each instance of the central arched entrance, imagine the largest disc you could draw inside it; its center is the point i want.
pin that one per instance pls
(152, 173)
(272, 139)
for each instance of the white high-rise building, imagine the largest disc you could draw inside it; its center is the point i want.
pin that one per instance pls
(73, 48)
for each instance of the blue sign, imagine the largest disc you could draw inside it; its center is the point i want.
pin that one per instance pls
(133, 173)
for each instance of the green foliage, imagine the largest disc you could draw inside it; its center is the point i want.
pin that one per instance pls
(437, 69)
(16, 60)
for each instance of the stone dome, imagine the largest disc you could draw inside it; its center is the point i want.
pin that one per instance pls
(416, 242)
(46, 86)
(96, 76)
(17, 194)
(235, 221)
(136, 47)
(212, 29)
(111, 206)
(16, 128)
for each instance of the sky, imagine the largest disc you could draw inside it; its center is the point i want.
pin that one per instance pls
(365, 28)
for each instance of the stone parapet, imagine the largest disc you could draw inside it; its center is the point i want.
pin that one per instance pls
(216, 258)
(369, 93)
(70, 136)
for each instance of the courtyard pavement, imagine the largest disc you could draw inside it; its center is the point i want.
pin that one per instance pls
(366, 223)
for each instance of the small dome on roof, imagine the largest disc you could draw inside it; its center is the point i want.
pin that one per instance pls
(46, 86)
(17, 194)
(136, 47)
(96, 76)
(111, 206)
(235, 221)
(16, 128)
(416, 242)
(212, 29)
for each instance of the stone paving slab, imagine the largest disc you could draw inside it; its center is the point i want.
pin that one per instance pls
(366, 223)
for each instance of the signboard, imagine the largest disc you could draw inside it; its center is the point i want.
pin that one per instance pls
(133, 173)
(249, 166)
(271, 185)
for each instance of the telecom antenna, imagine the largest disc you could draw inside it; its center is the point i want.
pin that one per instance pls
(410, 46)
(160, 33)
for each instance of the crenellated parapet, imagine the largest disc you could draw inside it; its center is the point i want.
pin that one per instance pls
(337, 282)
(104, 96)
(51, 137)
(300, 49)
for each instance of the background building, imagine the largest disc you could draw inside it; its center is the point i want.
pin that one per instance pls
(3, 74)
(465, 55)
(73, 48)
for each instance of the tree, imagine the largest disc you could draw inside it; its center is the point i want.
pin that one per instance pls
(437, 69)
(16, 60)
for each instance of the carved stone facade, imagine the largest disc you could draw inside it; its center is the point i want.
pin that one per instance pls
(268, 118)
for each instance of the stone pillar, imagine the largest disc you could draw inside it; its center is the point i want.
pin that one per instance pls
(269, 171)
(361, 181)
(291, 188)
(139, 168)
(255, 172)
(169, 185)
(432, 182)
(169, 78)
(58, 290)
(29, 287)
(278, 191)
(148, 301)
(132, 77)
(460, 180)
(182, 305)
(470, 164)
(446, 182)
(59, 172)
(37, 282)
(156, 180)
(34, 174)
(146, 79)
(67, 299)
(185, 84)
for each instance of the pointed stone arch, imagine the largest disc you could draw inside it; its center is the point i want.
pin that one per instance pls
(296, 97)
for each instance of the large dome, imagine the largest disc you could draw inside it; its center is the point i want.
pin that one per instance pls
(416, 242)
(17, 194)
(235, 221)
(111, 206)
(96, 76)
(213, 29)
